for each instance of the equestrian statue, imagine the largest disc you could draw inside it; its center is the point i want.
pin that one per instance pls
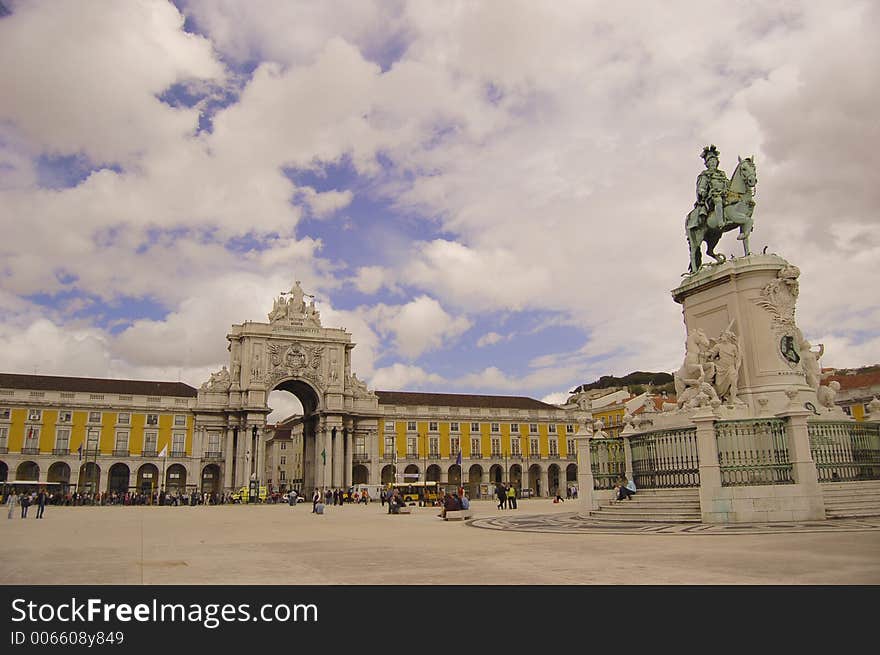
(721, 206)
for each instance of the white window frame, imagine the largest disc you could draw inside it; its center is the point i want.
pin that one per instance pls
(5, 413)
(551, 428)
(35, 415)
(475, 427)
(434, 446)
(283, 445)
(178, 439)
(454, 427)
(122, 437)
(553, 447)
(533, 428)
(514, 428)
(495, 427)
(4, 438)
(495, 445)
(214, 442)
(153, 422)
(389, 426)
(93, 420)
(32, 437)
(514, 446)
(123, 418)
(65, 416)
(410, 426)
(433, 426)
(62, 435)
(180, 420)
(283, 460)
(454, 446)
(572, 446)
(475, 441)
(534, 446)
(155, 440)
(412, 445)
(389, 445)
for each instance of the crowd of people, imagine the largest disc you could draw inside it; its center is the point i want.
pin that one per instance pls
(340, 497)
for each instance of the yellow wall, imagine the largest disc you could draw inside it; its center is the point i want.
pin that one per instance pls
(16, 429)
(47, 434)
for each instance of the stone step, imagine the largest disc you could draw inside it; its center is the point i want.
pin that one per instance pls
(684, 491)
(646, 518)
(856, 500)
(855, 493)
(843, 514)
(848, 486)
(658, 506)
(646, 512)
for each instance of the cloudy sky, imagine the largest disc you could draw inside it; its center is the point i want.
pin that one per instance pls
(489, 195)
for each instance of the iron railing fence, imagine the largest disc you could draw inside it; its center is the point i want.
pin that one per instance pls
(664, 459)
(608, 462)
(753, 452)
(844, 451)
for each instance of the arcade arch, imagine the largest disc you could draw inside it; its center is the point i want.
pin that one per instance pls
(175, 479)
(118, 478)
(89, 477)
(4, 471)
(59, 472)
(28, 471)
(211, 479)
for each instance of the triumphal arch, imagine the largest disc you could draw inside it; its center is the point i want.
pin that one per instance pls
(291, 352)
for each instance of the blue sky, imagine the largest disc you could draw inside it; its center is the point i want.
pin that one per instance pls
(489, 200)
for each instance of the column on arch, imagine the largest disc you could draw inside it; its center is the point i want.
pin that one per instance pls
(338, 438)
(348, 448)
(228, 460)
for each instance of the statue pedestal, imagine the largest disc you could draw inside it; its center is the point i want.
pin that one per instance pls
(749, 295)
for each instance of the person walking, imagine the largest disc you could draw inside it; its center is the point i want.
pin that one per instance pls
(41, 503)
(11, 502)
(502, 496)
(316, 498)
(511, 497)
(25, 503)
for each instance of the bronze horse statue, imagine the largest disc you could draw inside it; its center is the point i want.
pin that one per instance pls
(738, 205)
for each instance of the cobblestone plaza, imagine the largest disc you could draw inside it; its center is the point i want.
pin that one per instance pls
(540, 543)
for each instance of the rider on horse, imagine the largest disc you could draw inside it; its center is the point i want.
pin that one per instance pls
(712, 186)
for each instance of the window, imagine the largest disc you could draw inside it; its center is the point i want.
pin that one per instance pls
(65, 416)
(179, 420)
(514, 447)
(121, 440)
(554, 448)
(282, 476)
(35, 414)
(94, 417)
(866, 410)
(4, 413)
(151, 442)
(178, 443)
(434, 446)
(410, 426)
(32, 440)
(283, 445)
(572, 447)
(389, 445)
(551, 428)
(454, 446)
(453, 427)
(847, 411)
(124, 418)
(62, 439)
(432, 426)
(283, 459)
(514, 428)
(496, 446)
(152, 419)
(360, 446)
(92, 437)
(389, 426)
(4, 439)
(475, 447)
(496, 427)
(411, 447)
(533, 447)
(214, 442)
(475, 427)
(533, 428)
(569, 429)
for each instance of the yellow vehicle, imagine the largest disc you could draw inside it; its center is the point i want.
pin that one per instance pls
(243, 495)
(416, 492)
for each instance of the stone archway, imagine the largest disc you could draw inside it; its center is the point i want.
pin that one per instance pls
(496, 474)
(433, 473)
(118, 478)
(89, 477)
(387, 474)
(293, 352)
(516, 476)
(411, 473)
(571, 476)
(553, 479)
(59, 473)
(27, 472)
(535, 480)
(211, 479)
(175, 479)
(147, 478)
(360, 474)
(454, 475)
(475, 479)
(4, 471)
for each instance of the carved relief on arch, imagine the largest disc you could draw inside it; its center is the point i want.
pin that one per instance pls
(294, 360)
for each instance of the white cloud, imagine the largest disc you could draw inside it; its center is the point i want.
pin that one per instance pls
(417, 326)
(401, 376)
(489, 339)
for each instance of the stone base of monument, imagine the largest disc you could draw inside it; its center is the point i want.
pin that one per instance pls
(752, 430)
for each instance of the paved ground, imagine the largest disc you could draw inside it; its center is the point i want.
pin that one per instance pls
(541, 543)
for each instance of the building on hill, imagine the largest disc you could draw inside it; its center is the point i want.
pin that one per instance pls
(100, 435)
(857, 389)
